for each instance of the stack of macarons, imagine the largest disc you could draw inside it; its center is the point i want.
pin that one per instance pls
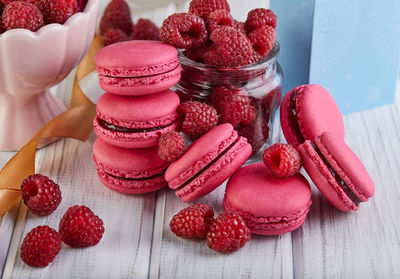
(136, 109)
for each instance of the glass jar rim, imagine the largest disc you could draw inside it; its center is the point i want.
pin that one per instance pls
(270, 57)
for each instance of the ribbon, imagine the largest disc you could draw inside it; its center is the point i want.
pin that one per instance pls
(76, 122)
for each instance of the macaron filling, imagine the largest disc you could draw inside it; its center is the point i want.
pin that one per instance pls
(191, 179)
(293, 119)
(112, 127)
(136, 179)
(343, 185)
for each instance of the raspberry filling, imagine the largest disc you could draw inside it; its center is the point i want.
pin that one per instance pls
(121, 129)
(293, 120)
(208, 165)
(337, 177)
(145, 76)
(137, 179)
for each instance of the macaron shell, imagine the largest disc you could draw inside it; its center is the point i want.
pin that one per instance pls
(323, 179)
(347, 163)
(139, 86)
(269, 205)
(218, 137)
(217, 173)
(136, 58)
(317, 112)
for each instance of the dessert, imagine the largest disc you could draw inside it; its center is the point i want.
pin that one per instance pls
(208, 162)
(307, 111)
(136, 122)
(269, 205)
(137, 67)
(336, 171)
(129, 170)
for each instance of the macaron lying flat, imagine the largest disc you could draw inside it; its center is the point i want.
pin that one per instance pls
(336, 171)
(129, 171)
(137, 67)
(136, 122)
(208, 162)
(307, 111)
(269, 205)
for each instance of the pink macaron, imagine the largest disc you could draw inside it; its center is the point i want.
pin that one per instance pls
(336, 171)
(307, 111)
(208, 162)
(136, 122)
(269, 205)
(129, 170)
(137, 67)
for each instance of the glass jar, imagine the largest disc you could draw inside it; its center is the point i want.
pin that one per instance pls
(247, 96)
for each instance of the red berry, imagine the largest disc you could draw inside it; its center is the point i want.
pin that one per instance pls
(193, 221)
(199, 118)
(5, 2)
(80, 227)
(2, 27)
(241, 26)
(203, 8)
(198, 54)
(57, 11)
(184, 30)
(41, 194)
(256, 132)
(263, 39)
(20, 14)
(260, 17)
(220, 18)
(171, 146)
(145, 29)
(231, 48)
(117, 15)
(282, 160)
(233, 105)
(40, 246)
(228, 234)
(112, 36)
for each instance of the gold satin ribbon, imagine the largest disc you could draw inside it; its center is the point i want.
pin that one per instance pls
(76, 122)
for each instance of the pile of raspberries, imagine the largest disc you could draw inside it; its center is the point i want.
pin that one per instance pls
(33, 14)
(210, 35)
(116, 25)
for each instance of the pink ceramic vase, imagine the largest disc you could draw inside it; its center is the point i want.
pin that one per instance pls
(32, 62)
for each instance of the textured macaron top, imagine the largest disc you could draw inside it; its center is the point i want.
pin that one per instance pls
(203, 151)
(138, 161)
(116, 108)
(316, 112)
(346, 163)
(136, 58)
(252, 190)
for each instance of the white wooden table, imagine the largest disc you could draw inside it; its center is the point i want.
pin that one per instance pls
(138, 243)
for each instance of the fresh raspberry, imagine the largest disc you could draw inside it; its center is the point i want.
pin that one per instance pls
(220, 18)
(228, 234)
(232, 105)
(203, 8)
(145, 29)
(57, 11)
(5, 2)
(183, 30)
(270, 102)
(2, 27)
(41, 194)
(80, 227)
(199, 118)
(260, 17)
(241, 26)
(256, 132)
(263, 39)
(112, 36)
(282, 160)
(40, 246)
(171, 146)
(20, 14)
(117, 15)
(193, 221)
(231, 48)
(198, 54)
